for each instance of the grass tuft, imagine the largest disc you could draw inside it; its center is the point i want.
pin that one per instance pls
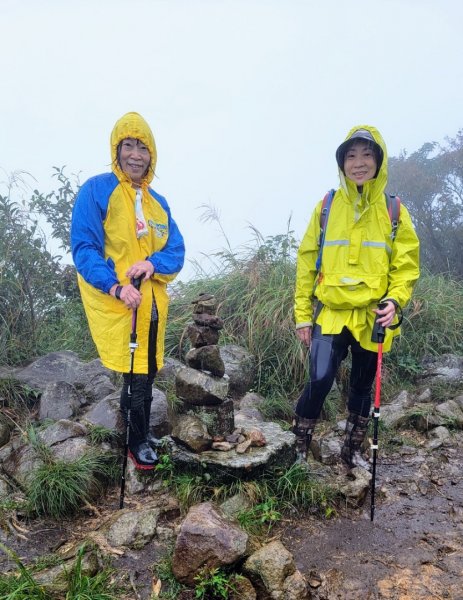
(58, 488)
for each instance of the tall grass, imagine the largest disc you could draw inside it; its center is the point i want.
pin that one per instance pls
(20, 586)
(66, 328)
(80, 586)
(432, 326)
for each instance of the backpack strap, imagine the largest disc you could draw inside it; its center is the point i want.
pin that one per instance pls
(393, 209)
(326, 205)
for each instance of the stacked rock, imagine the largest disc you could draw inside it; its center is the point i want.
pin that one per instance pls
(202, 385)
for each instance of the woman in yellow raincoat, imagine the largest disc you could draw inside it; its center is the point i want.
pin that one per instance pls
(121, 231)
(363, 263)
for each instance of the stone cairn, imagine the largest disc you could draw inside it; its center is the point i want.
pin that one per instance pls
(206, 415)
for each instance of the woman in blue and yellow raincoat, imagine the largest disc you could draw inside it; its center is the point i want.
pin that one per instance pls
(363, 263)
(123, 230)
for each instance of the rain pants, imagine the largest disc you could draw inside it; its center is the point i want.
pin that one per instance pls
(361, 264)
(104, 245)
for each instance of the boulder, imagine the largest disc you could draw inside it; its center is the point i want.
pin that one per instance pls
(395, 413)
(167, 374)
(55, 580)
(278, 451)
(356, 488)
(59, 400)
(206, 320)
(202, 335)
(205, 303)
(206, 358)
(207, 539)
(196, 387)
(159, 417)
(105, 413)
(269, 567)
(240, 366)
(132, 528)
(60, 431)
(5, 430)
(451, 412)
(218, 419)
(437, 437)
(191, 432)
(243, 590)
(444, 368)
(92, 377)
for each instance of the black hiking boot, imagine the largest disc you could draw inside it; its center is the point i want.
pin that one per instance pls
(303, 430)
(153, 441)
(140, 451)
(351, 451)
(143, 456)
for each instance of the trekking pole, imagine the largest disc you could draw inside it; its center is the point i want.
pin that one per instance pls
(377, 336)
(136, 282)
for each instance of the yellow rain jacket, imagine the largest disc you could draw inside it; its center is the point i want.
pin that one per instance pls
(361, 265)
(104, 245)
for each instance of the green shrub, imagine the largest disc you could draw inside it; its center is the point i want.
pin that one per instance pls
(259, 519)
(213, 584)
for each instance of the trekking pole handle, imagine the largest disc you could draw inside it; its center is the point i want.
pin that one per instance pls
(136, 282)
(379, 331)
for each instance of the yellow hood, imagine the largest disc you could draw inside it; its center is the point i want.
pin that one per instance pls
(133, 125)
(374, 187)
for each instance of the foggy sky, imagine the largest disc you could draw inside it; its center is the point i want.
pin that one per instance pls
(247, 99)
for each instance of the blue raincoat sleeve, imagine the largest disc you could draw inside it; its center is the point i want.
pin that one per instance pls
(87, 232)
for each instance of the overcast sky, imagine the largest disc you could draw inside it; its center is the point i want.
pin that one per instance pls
(247, 99)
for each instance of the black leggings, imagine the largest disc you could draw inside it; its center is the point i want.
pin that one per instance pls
(141, 390)
(327, 353)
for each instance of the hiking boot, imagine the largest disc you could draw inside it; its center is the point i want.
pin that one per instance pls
(143, 456)
(153, 441)
(303, 430)
(351, 451)
(150, 438)
(140, 451)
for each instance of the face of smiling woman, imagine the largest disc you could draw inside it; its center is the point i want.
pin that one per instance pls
(360, 162)
(134, 158)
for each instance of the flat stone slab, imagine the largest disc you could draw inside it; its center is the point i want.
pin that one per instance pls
(279, 451)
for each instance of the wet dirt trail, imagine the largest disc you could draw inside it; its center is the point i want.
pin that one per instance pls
(412, 550)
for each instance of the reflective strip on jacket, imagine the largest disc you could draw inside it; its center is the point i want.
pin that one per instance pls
(361, 265)
(104, 245)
